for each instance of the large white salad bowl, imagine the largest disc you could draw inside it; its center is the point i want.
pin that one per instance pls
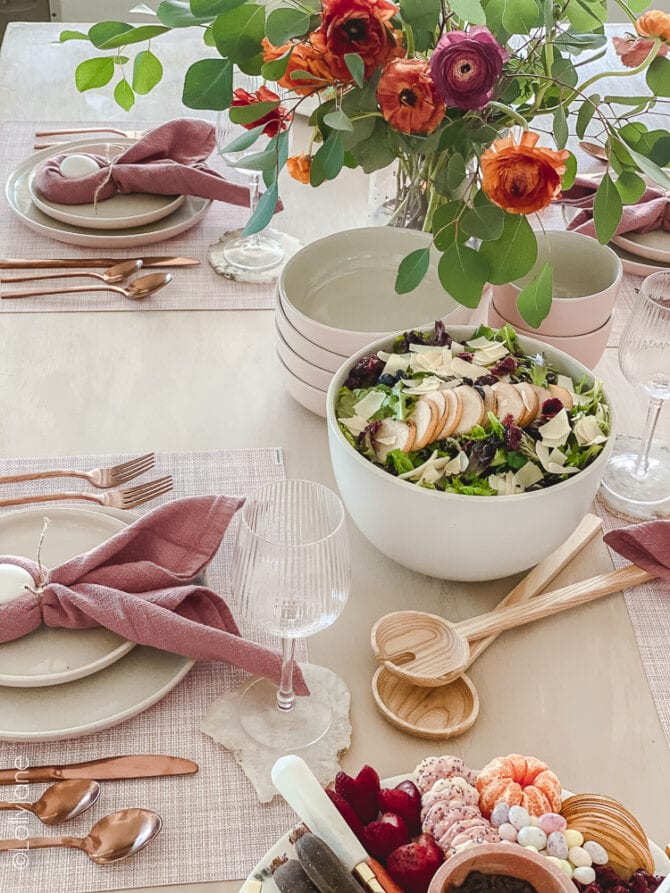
(453, 536)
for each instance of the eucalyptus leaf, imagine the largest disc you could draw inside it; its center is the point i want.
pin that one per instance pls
(658, 76)
(243, 141)
(263, 212)
(607, 209)
(421, 14)
(328, 161)
(101, 32)
(209, 85)
(123, 95)
(534, 301)
(338, 121)
(570, 172)
(648, 167)
(463, 273)
(356, 67)
(285, 23)
(470, 11)
(638, 5)
(248, 114)
(72, 35)
(120, 38)
(121, 60)
(564, 71)
(374, 153)
(147, 72)
(519, 16)
(209, 9)
(360, 130)
(239, 33)
(560, 128)
(412, 270)
(587, 15)
(577, 43)
(446, 224)
(514, 253)
(94, 73)
(483, 220)
(455, 172)
(256, 161)
(208, 37)
(631, 187)
(177, 14)
(276, 69)
(586, 112)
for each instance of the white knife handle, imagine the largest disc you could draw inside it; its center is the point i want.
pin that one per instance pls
(301, 789)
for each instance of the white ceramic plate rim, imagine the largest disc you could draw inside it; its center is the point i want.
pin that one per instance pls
(640, 249)
(82, 670)
(284, 847)
(305, 384)
(279, 307)
(191, 212)
(525, 333)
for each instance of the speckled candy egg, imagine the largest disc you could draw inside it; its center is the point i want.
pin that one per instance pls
(508, 832)
(579, 857)
(500, 814)
(597, 852)
(552, 821)
(519, 817)
(584, 874)
(557, 845)
(573, 837)
(530, 836)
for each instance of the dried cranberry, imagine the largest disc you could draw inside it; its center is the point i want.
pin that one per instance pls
(365, 372)
(486, 379)
(440, 337)
(551, 407)
(513, 433)
(504, 367)
(466, 355)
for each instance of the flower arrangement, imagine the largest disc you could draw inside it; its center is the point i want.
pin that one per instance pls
(448, 90)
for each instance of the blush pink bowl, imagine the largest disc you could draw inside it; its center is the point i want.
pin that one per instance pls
(587, 278)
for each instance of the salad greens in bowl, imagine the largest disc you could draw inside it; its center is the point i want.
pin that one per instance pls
(467, 453)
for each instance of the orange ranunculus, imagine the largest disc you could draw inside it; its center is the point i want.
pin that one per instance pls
(407, 97)
(359, 26)
(299, 167)
(308, 56)
(522, 177)
(654, 24)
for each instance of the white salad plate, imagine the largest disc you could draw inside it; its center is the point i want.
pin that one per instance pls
(105, 698)
(654, 245)
(284, 848)
(20, 200)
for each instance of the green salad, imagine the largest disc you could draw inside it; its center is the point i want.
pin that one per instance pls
(479, 418)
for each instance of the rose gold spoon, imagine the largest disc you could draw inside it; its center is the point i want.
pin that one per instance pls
(595, 150)
(62, 801)
(114, 274)
(115, 837)
(135, 290)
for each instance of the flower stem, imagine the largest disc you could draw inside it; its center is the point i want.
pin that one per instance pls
(510, 112)
(622, 74)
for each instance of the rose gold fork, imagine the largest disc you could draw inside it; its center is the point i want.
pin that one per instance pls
(99, 477)
(127, 498)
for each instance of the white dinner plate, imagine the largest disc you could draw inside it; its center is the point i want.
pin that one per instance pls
(51, 656)
(19, 198)
(284, 848)
(654, 245)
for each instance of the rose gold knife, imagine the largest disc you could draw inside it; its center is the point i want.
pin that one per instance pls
(74, 262)
(134, 766)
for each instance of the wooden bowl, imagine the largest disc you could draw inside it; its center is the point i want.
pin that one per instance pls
(500, 858)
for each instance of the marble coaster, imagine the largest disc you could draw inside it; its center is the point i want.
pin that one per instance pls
(221, 722)
(218, 262)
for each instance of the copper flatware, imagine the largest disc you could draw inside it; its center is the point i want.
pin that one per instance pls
(60, 802)
(130, 134)
(73, 263)
(113, 275)
(127, 498)
(117, 836)
(105, 769)
(113, 476)
(595, 150)
(136, 290)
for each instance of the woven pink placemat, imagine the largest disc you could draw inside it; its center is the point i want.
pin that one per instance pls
(193, 288)
(214, 828)
(649, 612)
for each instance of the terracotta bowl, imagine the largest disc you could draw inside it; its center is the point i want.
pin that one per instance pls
(500, 858)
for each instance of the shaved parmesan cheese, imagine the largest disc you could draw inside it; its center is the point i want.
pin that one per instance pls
(553, 461)
(457, 465)
(503, 484)
(370, 404)
(511, 483)
(456, 347)
(464, 369)
(528, 475)
(397, 362)
(427, 361)
(418, 471)
(556, 431)
(587, 431)
(490, 354)
(383, 355)
(422, 348)
(430, 383)
(481, 343)
(355, 424)
(564, 381)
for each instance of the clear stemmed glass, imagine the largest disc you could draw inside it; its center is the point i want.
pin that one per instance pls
(290, 578)
(637, 478)
(259, 251)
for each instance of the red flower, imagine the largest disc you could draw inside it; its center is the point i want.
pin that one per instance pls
(274, 120)
(407, 97)
(359, 26)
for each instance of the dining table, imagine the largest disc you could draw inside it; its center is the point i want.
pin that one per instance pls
(571, 690)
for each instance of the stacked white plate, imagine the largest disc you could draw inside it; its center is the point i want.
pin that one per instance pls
(338, 294)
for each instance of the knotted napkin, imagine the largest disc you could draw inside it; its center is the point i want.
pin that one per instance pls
(169, 160)
(651, 212)
(138, 584)
(646, 544)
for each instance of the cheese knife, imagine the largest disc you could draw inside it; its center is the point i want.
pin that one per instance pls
(132, 766)
(54, 263)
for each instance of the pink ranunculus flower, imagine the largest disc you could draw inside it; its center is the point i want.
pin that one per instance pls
(634, 50)
(465, 67)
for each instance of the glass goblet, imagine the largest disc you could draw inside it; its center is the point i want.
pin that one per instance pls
(637, 478)
(290, 578)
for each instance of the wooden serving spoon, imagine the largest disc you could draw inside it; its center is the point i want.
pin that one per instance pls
(139, 288)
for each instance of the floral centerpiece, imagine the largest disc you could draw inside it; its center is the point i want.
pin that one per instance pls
(448, 90)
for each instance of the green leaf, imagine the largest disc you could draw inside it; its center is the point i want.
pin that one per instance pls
(648, 167)
(256, 161)
(519, 16)
(630, 187)
(534, 301)
(607, 208)
(102, 32)
(470, 11)
(455, 172)
(238, 35)
(577, 43)
(638, 5)
(124, 96)
(444, 229)
(560, 127)
(514, 253)
(243, 141)
(374, 153)
(483, 220)
(72, 35)
(412, 269)
(586, 111)
(276, 69)
(358, 100)
(463, 273)
(564, 71)
(570, 172)
(360, 131)
(587, 15)
(177, 14)
(94, 73)
(247, 114)
(208, 37)
(420, 14)
(122, 35)
(147, 72)
(121, 60)
(338, 121)
(284, 23)
(209, 85)
(658, 76)
(356, 67)
(328, 161)
(264, 211)
(209, 9)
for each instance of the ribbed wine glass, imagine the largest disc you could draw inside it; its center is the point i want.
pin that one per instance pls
(290, 578)
(637, 479)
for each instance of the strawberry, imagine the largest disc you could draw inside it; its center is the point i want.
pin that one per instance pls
(388, 833)
(412, 866)
(347, 813)
(404, 800)
(360, 792)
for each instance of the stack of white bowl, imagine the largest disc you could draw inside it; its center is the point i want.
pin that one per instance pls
(338, 294)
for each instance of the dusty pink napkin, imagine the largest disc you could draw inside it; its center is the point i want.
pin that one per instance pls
(651, 212)
(646, 544)
(137, 584)
(169, 160)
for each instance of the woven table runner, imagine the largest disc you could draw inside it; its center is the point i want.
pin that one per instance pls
(193, 288)
(214, 828)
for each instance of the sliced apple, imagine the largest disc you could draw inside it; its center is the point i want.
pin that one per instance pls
(393, 434)
(454, 413)
(563, 395)
(438, 398)
(508, 401)
(489, 399)
(425, 419)
(530, 401)
(473, 410)
(542, 395)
